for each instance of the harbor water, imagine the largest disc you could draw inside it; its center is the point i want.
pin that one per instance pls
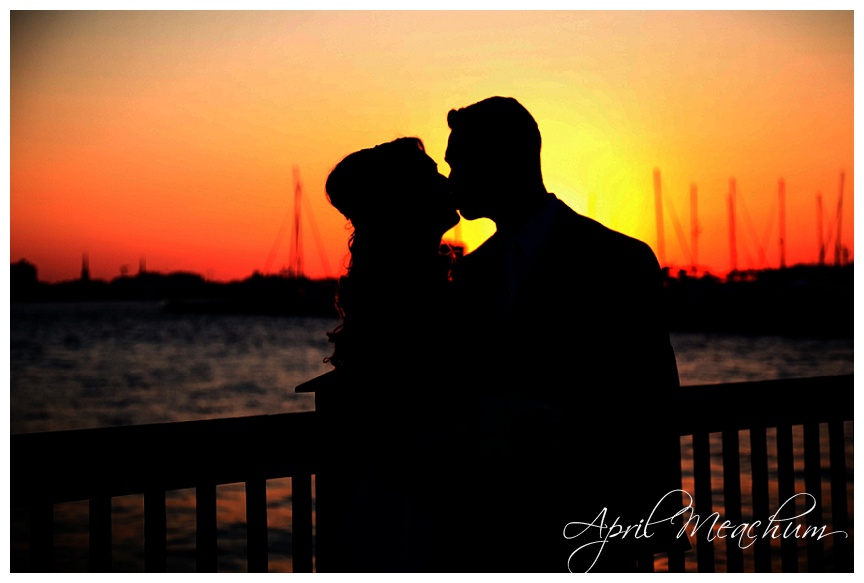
(76, 366)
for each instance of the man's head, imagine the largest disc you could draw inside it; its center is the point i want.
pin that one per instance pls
(494, 157)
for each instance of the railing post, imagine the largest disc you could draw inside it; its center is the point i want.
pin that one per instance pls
(703, 496)
(154, 532)
(205, 528)
(732, 497)
(813, 486)
(839, 507)
(759, 470)
(100, 535)
(42, 537)
(256, 525)
(675, 556)
(301, 523)
(329, 532)
(786, 489)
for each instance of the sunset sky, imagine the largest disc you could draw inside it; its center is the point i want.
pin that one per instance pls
(172, 135)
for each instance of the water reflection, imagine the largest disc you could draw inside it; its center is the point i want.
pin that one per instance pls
(85, 366)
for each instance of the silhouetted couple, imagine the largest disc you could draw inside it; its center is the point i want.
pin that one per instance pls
(486, 402)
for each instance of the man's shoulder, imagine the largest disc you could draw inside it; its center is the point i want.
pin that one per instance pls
(573, 232)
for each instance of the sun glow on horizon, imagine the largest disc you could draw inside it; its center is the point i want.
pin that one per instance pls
(172, 135)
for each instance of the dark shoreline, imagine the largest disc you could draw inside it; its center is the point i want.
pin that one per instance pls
(797, 301)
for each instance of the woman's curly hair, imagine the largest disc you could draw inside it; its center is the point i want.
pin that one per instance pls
(369, 188)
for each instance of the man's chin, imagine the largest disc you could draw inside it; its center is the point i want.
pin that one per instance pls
(451, 222)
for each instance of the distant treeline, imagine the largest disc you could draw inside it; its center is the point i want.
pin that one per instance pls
(802, 300)
(185, 292)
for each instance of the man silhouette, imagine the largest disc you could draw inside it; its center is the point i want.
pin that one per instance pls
(569, 354)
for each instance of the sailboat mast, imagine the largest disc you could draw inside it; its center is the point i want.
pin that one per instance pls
(782, 201)
(733, 250)
(694, 229)
(296, 262)
(658, 212)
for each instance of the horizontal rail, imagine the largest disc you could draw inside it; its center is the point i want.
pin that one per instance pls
(116, 461)
(65, 466)
(736, 406)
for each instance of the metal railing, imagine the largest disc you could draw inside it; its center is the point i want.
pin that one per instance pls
(724, 413)
(99, 464)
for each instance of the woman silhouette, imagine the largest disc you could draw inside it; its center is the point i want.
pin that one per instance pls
(399, 206)
(385, 413)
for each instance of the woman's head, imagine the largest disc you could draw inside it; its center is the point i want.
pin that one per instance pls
(392, 192)
(392, 186)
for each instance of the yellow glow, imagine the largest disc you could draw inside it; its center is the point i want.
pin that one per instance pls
(172, 135)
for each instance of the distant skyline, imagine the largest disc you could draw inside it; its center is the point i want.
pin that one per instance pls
(172, 135)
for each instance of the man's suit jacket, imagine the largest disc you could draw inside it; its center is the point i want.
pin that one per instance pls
(582, 362)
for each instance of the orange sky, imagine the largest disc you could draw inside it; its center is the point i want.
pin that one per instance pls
(172, 135)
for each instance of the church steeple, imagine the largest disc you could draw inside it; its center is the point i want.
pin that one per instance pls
(85, 267)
